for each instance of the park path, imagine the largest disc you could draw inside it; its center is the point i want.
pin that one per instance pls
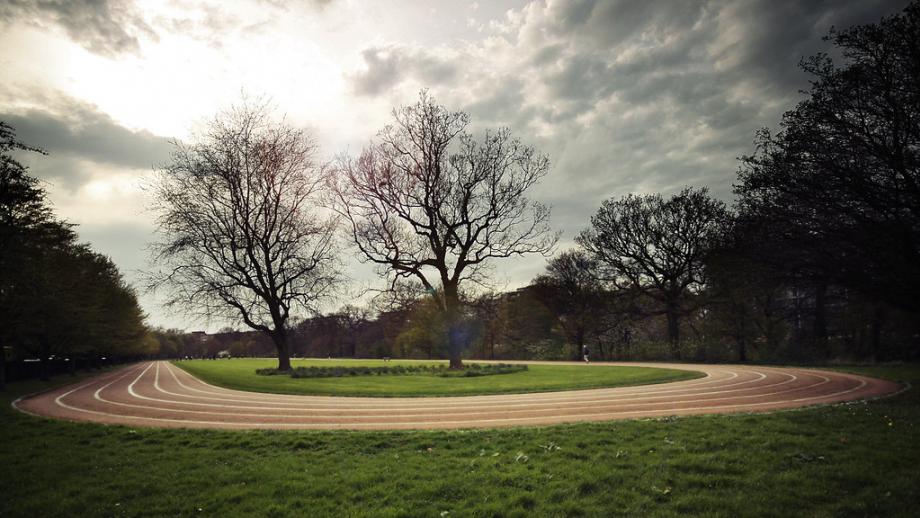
(159, 394)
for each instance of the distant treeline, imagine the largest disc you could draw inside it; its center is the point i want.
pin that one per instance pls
(532, 323)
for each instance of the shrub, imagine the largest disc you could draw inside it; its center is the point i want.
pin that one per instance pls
(440, 370)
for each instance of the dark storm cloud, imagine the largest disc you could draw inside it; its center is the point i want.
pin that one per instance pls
(606, 24)
(771, 36)
(652, 96)
(385, 67)
(108, 27)
(76, 132)
(688, 51)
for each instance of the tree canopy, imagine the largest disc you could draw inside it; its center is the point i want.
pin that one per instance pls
(657, 247)
(835, 192)
(57, 296)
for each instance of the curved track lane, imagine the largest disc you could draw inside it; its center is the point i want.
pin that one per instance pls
(162, 395)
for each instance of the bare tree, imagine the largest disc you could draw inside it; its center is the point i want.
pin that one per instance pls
(429, 202)
(239, 237)
(656, 247)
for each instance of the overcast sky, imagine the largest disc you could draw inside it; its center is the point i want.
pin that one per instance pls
(624, 96)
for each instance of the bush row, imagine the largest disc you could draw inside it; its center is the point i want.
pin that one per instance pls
(471, 370)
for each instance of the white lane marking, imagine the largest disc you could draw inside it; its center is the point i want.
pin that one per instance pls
(440, 415)
(575, 398)
(131, 385)
(458, 424)
(567, 397)
(572, 401)
(675, 386)
(256, 397)
(97, 394)
(98, 379)
(250, 397)
(59, 400)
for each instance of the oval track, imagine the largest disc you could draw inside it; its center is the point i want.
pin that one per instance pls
(163, 395)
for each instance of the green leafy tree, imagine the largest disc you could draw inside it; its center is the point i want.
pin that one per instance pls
(834, 195)
(656, 248)
(58, 297)
(27, 225)
(572, 288)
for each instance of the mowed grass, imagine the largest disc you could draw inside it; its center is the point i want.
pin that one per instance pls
(241, 374)
(857, 459)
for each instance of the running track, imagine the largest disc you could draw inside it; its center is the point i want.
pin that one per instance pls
(162, 395)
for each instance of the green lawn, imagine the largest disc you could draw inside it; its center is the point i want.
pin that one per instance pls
(241, 374)
(857, 459)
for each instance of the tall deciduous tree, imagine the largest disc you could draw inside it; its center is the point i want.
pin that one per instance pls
(240, 236)
(491, 314)
(836, 192)
(57, 297)
(27, 226)
(745, 300)
(352, 319)
(573, 289)
(429, 202)
(77, 306)
(657, 247)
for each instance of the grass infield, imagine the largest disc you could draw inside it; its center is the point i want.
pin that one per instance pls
(855, 459)
(241, 374)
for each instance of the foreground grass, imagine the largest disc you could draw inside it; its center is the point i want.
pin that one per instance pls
(241, 374)
(857, 459)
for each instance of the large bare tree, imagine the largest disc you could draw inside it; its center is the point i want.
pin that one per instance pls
(239, 234)
(429, 202)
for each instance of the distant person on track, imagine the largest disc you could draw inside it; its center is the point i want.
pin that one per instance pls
(584, 354)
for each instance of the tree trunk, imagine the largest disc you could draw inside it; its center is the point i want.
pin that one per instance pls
(280, 338)
(2, 368)
(455, 342)
(579, 343)
(674, 330)
(44, 369)
(875, 343)
(820, 323)
(742, 350)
